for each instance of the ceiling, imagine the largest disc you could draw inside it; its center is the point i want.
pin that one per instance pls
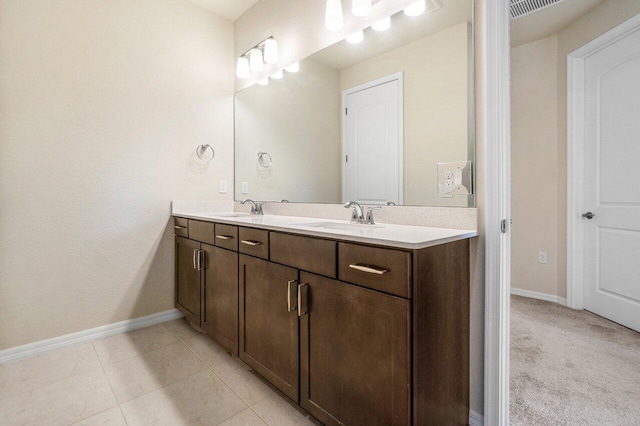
(549, 21)
(229, 9)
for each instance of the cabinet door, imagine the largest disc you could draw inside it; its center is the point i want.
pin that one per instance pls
(268, 329)
(354, 354)
(220, 296)
(187, 279)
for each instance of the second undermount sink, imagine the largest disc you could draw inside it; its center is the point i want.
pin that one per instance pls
(339, 226)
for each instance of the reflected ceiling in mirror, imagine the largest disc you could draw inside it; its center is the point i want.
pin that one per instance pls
(369, 121)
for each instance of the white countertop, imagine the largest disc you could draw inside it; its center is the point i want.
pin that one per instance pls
(402, 236)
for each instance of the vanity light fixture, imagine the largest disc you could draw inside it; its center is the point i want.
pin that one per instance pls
(333, 19)
(278, 75)
(356, 37)
(416, 8)
(382, 25)
(242, 70)
(295, 67)
(254, 58)
(361, 7)
(271, 51)
(264, 81)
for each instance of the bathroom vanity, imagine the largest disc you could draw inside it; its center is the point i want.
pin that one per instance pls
(358, 324)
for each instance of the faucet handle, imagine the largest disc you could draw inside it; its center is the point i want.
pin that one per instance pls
(370, 210)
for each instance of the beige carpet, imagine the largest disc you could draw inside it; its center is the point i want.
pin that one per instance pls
(571, 367)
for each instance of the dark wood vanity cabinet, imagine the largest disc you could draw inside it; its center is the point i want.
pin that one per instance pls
(356, 334)
(220, 296)
(268, 322)
(188, 279)
(355, 354)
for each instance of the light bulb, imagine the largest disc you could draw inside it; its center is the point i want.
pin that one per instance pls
(356, 37)
(264, 81)
(295, 67)
(271, 51)
(383, 24)
(361, 7)
(242, 70)
(333, 20)
(278, 75)
(255, 60)
(416, 8)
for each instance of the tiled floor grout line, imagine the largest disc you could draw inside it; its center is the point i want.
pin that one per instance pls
(225, 383)
(123, 416)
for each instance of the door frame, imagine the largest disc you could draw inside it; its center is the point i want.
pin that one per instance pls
(368, 85)
(575, 155)
(494, 181)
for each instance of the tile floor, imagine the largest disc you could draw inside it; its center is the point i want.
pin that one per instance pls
(167, 374)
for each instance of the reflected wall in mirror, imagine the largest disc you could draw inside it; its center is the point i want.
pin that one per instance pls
(369, 121)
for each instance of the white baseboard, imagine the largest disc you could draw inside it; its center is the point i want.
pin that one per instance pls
(37, 348)
(475, 418)
(541, 296)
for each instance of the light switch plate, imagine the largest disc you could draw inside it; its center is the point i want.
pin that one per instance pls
(454, 179)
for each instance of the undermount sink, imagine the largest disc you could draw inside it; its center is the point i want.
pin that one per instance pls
(228, 214)
(339, 226)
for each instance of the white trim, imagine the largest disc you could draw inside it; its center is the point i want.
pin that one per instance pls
(575, 156)
(475, 418)
(399, 76)
(497, 171)
(540, 296)
(37, 348)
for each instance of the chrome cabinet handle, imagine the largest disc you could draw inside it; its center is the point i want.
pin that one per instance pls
(201, 260)
(195, 262)
(303, 307)
(224, 237)
(368, 268)
(290, 306)
(180, 227)
(251, 243)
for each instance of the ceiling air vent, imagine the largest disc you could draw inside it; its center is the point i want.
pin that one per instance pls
(520, 8)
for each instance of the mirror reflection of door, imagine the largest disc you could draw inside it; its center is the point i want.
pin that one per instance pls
(372, 142)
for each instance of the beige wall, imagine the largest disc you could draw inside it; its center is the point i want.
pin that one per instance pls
(534, 153)
(103, 104)
(299, 28)
(297, 121)
(436, 110)
(529, 240)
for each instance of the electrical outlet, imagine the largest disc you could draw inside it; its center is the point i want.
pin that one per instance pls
(448, 175)
(223, 186)
(245, 187)
(542, 257)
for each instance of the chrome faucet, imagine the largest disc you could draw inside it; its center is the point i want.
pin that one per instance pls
(357, 216)
(256, 208)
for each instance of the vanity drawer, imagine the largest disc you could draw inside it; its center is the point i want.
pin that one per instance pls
(376, 268)
(306, 253)
(254, 242)
(227, 236)
(181, 226)
(201, 231)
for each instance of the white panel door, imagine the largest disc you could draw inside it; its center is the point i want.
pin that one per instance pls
(372, 145)
(612, 181)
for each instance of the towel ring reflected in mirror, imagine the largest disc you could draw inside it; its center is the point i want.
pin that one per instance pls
(264, 159)
(203, 149)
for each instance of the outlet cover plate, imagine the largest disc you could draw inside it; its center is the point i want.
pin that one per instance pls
(455, 178)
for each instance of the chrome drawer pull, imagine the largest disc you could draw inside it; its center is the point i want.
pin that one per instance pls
(251, 243)
(368, 268)
(224, 237)
(180, 227)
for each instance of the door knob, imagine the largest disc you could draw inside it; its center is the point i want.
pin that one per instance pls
(589, 215)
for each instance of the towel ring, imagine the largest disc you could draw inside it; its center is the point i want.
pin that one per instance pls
(264, 162)
(202, 149)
